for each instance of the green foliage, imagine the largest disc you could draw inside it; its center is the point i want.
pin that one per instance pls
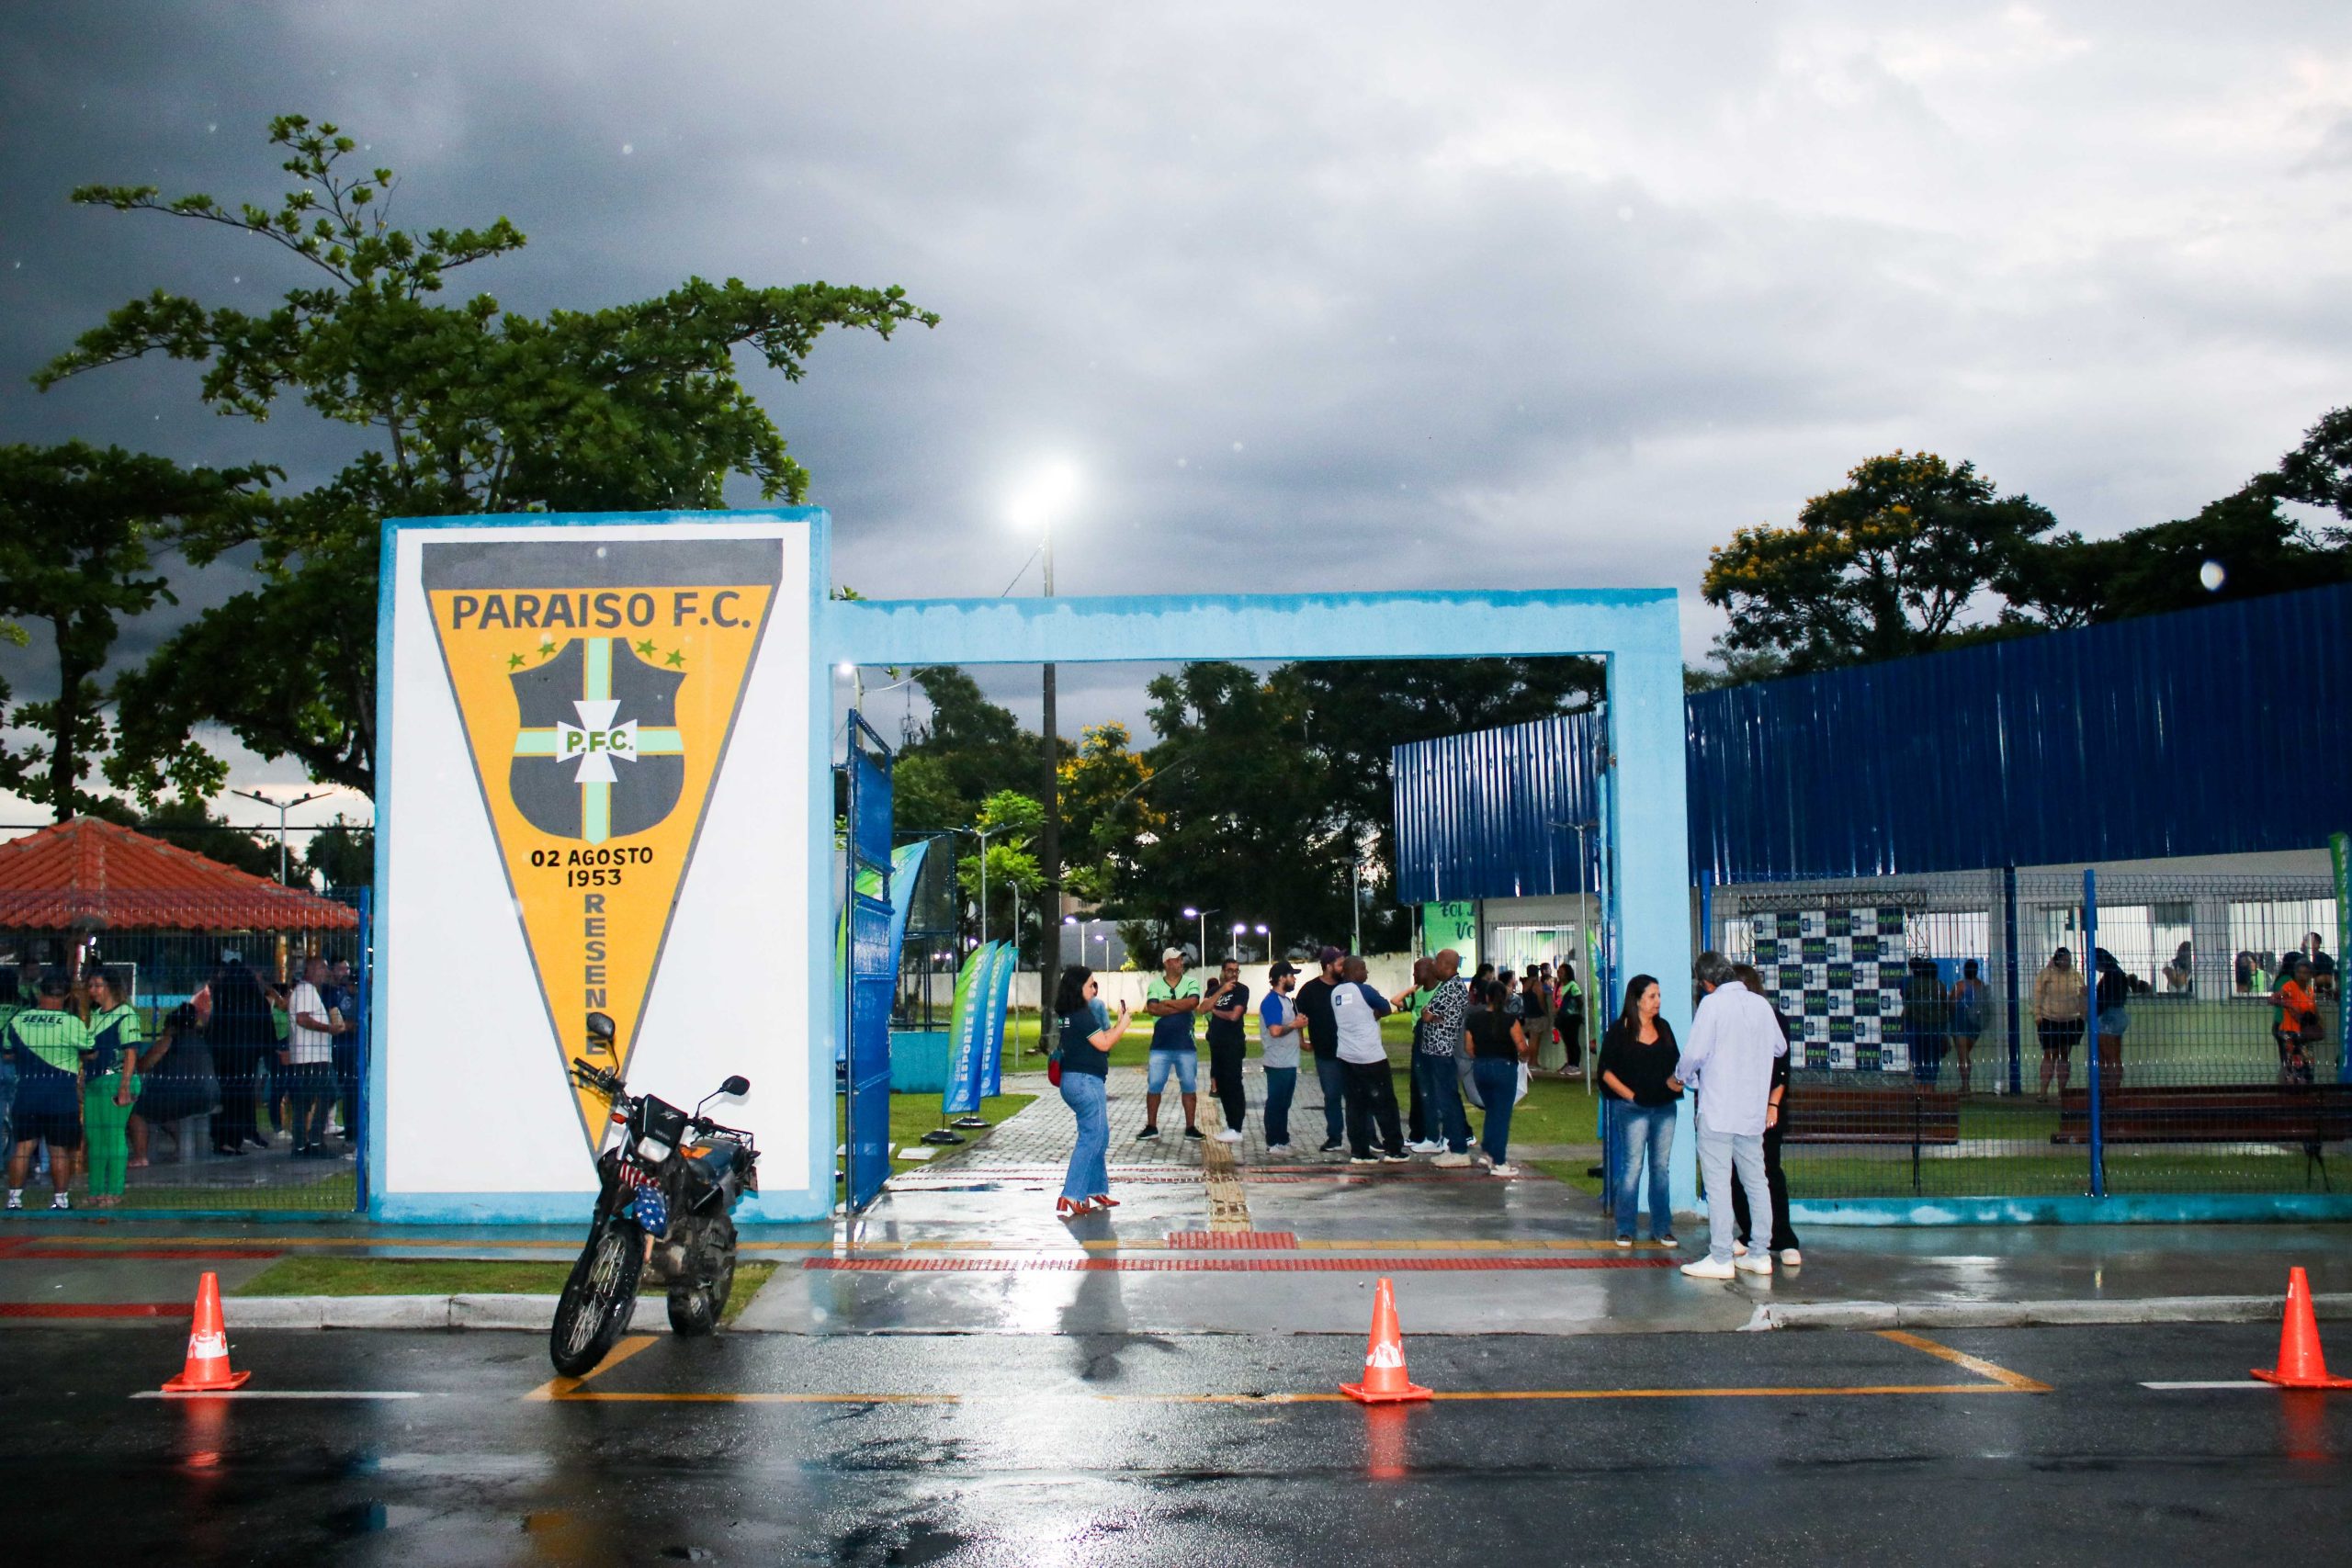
(977, 746)
(342, 854)
(2074, 582)
(79, 527)
(922, 794)
(2318, 472)
(1886, 565)
(456, 408)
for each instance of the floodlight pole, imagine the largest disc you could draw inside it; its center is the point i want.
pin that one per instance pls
(283, 807)
(1049, 851)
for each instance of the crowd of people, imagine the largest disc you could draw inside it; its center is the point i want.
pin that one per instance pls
(1475, 1040)
(83, 1090)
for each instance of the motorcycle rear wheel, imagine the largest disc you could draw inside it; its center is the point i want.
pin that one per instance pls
(598, 1299)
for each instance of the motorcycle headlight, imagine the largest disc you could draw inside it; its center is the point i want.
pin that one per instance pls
(652, 1151)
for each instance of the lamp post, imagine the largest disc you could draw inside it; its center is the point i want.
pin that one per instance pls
(1266, 939)
(1048, 494)
(1202, 916)
(1233, 949)
(283, 807)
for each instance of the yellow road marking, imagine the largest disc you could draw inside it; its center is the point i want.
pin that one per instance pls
(562, 1388)
(2016, 1381)
(1228, 1198)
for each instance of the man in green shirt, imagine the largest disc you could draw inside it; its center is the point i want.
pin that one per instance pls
(111, 1085)
(45, 1043)
(1172, 999)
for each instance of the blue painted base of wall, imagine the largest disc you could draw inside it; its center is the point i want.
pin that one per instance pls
(557, 1209)
(2134, 1209)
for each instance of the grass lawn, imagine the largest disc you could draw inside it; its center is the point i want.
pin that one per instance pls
(444, 1276)
(912, 1115)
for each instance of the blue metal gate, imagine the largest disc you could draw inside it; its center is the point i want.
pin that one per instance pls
(870, 980)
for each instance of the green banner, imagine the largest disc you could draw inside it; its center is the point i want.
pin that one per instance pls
(961, 1095)
(1454, 925)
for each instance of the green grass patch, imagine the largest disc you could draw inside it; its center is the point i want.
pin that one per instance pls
(444, 1276)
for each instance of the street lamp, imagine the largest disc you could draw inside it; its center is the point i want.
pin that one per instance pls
(1047, 496)
(1266, 939)
(283, 807)
(1233, 950)
(1202, 916)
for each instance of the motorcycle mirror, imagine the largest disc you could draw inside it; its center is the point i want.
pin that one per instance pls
(600, 1026)
(735, 1084)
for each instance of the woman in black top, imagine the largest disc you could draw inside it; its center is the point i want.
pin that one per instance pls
(1638, 1057)
(1498, 1045)
(1084, 1037)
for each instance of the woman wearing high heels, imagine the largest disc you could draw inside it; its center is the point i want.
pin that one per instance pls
(1085, 1037)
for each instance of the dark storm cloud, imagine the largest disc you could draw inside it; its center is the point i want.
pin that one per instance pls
(1375, 294)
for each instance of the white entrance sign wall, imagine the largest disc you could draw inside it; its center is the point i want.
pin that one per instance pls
(597, 764)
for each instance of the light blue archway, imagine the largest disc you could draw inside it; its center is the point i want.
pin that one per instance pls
(1636, 632)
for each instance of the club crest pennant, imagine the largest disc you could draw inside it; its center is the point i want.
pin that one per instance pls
(598, 684)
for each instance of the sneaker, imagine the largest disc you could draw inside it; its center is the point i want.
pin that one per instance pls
(1739, 1249)
(16, 1199)
(1708, 1269)
(1364, 1159)
(1227, 1135)
(60, 1201)
(1624, 1241)
(1791, 1257)
(1399, 1157)
(1758, 1264)
(1194, 1133)
(1502, 1170)
(1666, 1240)
(1428, 1146)
(1278, 1148)
(1451, 1161)
(1332, 1146)
(1148, 1133)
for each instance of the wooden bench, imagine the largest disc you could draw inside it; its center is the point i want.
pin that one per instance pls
(1916, 1116)
(2309, 1114)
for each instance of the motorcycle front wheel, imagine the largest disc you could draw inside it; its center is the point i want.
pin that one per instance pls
(695, 1310)
(598, 1299)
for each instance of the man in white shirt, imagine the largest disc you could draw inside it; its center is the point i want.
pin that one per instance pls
(1728, 1059)
(310, 1030)
(1356, 1012)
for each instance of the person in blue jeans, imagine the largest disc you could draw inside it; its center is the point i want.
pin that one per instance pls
(1638, 1057)
(1279, 1027)
(1437, 1046)
(1498, 1045)
(1085, 1053)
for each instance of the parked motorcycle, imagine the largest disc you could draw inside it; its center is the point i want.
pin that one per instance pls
(669, 1187)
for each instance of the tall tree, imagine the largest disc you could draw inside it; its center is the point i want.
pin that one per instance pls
(1888, 564)
(79, 529)
(2257, 547)
(456, 408)
(2318, 472)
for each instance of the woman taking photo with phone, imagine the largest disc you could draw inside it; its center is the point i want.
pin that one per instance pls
(1082, 1059)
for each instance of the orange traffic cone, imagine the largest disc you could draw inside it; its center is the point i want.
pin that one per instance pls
(1384, 1382)
(207, 1370)
(2301, 1364)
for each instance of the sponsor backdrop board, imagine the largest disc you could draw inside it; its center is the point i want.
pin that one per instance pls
(596, 796)
(1837, 974)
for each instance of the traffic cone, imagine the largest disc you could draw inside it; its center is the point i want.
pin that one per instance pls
(207, 1370)
(2301, 1364)
(1384, 1382)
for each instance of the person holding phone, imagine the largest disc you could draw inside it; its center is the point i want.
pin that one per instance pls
(1085, 1060)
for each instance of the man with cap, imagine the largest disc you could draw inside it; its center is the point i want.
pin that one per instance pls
(1323, 1036)
(1372, 1086)
(46, 1044)
(1172, 999)
(1278, 1026)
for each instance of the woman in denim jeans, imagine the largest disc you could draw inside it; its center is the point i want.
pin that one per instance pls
(1084, 1040)
(1638, 1057)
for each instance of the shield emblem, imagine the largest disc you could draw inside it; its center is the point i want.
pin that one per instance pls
(598, 753)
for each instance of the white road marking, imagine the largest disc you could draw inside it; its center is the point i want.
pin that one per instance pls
(2232, 1382)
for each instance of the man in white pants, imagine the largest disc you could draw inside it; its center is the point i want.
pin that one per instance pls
(1728, 1059)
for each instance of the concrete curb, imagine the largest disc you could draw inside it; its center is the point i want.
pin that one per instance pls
(527, 1313)
(2036, 1315)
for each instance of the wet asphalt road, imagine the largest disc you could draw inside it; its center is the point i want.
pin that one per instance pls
(1093, 1450)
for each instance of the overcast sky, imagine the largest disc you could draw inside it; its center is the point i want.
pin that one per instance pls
(1360, 295)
